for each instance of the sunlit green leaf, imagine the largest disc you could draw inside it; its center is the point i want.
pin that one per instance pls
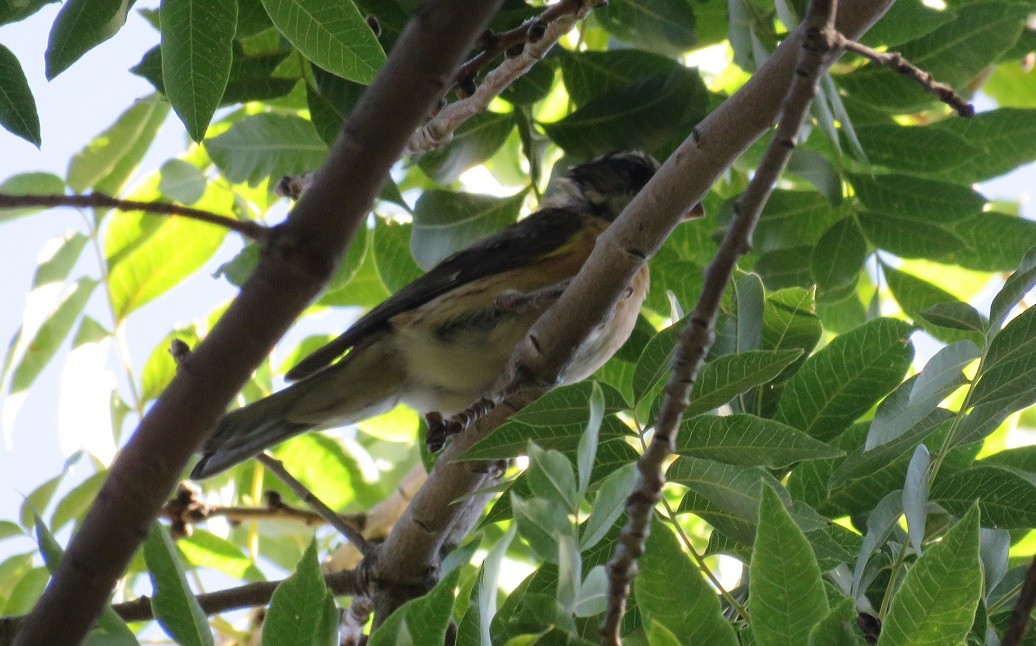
(267, 145)
(175, 606)
(302, 609)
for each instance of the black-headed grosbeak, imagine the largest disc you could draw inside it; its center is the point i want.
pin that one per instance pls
(441, 342)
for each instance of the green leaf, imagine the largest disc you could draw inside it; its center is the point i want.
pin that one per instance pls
(15, 11)
(954, 53)
(302, 610)
(956, 316)
(645, 114)
(909, 238)
(27, 591)
(1014, 289)
(552, 478)
(160, 368)
(337, 476)
(205, 549)
(666, 575)
(181, 181)
(790, 322)
(332, 34)
(37, 183)
(540, 522)
(587, 450)
(793, 219)
(841, 382)
(266, 145)
(728, 376)
(422, 621)
(80, 26)
(17, 106)
(196, 56)
(786, 594)
(747, 440)
(446, 222)
(1006, 497)
(998, 141)
(917, 198)
(592, 73)
(905, 21)
(176, 249)
(666, 27)
(50, 335)
(724, 495)
(937, 600)
(176, 608)
(925, 150)
(609, 503)
(1001, 252)
(1009, 372)
(9, 529)
(107, 161)
(75, 503)
(474, 142)
(835, 629)
(915, 496)
(838, 257)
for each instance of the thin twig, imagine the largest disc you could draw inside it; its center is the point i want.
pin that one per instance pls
(896, 61)
(253, 230)
(188, 507)
(329, 515)
(556, 21)
(349, 582)
(1022, 609)
(817, 50)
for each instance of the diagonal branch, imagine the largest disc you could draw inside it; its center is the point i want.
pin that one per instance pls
(298, 260)
(1022, 611)
(819, 45)
(413, 546)
(329, 515)
(896, 61)
(253, 230)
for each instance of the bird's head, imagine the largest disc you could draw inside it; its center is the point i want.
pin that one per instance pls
(608, 183)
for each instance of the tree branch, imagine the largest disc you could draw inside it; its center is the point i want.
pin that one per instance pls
(297, 261)
(896, 61)
(1022, 610)
(253, 230)
(349, 582)
(329, 515)
(548, 27)
(818, 47)
(414, 543)
(187, 508)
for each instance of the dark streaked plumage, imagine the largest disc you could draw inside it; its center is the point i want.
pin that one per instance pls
(441, 342)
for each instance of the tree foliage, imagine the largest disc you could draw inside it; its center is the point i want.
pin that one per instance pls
(845, 457)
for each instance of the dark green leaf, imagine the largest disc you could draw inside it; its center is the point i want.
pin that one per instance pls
(957, 316)
(666, 27)
(332, 34)
(1001, 252)
(846, 378)
(17, 106)
(1009, 371)
(937, 600)
(916, 296)
(748, 440)
(839, 255)
(175, 606)
(80, 26)
(904, 21)
(446, 222)
(836, 628)
(196, 56)
(1006, 497)
(666, 574)
(15, 11)
(394, 261)
(793, 219)
(786, 593)
(645, 114)
(997, 142)
(473, 143)
(909, 238)
(925, 150)
(267, 145)
(302, 609)
(592, 73)
(1019, 284)
(916, 198)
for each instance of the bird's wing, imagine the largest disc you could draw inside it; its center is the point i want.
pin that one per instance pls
(516, 246)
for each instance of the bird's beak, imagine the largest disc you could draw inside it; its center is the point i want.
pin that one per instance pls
(696, 212)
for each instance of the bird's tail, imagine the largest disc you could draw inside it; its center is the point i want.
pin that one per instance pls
(249, 430)
(366, 382)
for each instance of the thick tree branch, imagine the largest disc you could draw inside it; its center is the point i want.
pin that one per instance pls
(253, 230)
(818, 47)
(896, 61)
(350, 582)
(299, 259)
(413, 546)
(330, 516)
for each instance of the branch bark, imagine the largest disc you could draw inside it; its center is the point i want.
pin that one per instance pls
(819, 43)
(299, 259)
(253, 230)
(411, 550)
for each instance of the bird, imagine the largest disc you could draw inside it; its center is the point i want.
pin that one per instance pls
(442, 341)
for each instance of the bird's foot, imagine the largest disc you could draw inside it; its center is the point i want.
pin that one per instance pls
(440, 429)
